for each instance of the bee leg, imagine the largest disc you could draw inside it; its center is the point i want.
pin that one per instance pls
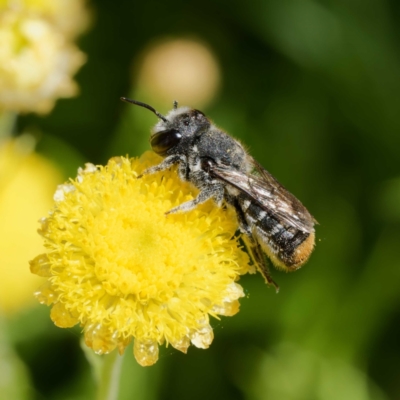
(254, 249)
(215, 191)
(259, 259)
(168, 162)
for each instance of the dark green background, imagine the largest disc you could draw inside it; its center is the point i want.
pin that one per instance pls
(312, 87)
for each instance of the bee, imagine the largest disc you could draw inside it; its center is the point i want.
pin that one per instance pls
(272, 220)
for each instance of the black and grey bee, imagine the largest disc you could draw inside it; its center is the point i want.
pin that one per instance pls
(272, 220)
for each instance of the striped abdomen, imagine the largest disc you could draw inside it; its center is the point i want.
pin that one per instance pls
(287, 247)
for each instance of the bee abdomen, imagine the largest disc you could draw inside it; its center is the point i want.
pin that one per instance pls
(287, 247)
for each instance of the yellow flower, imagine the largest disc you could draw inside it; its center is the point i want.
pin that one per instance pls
(37, 62)
(69, 16)
(122, 269)
(27, 181)
(181, 69)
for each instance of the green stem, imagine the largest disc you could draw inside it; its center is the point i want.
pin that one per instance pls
(108, 383)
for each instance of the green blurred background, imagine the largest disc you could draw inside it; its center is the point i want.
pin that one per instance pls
(312, 88)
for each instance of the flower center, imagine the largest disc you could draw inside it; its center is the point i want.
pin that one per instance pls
(135, 245)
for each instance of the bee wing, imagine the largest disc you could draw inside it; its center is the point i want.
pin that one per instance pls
(268, 193)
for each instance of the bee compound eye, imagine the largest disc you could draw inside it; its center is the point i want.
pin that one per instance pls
(162, 141)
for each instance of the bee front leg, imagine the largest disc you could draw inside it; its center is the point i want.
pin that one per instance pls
(168, 162)
(216, 192)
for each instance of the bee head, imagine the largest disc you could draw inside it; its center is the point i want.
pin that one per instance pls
(179, 124)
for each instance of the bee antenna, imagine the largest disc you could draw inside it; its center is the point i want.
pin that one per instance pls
(175, 103)
(139, 103)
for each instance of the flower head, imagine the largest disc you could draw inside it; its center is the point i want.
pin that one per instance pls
(37, 58)
(180, 68)
(69, 16)
(122, 269)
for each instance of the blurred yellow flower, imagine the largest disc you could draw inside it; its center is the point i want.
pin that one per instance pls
(181, 69)
(122, 269)
(69, 16)
(27, 181)
(37, 60)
